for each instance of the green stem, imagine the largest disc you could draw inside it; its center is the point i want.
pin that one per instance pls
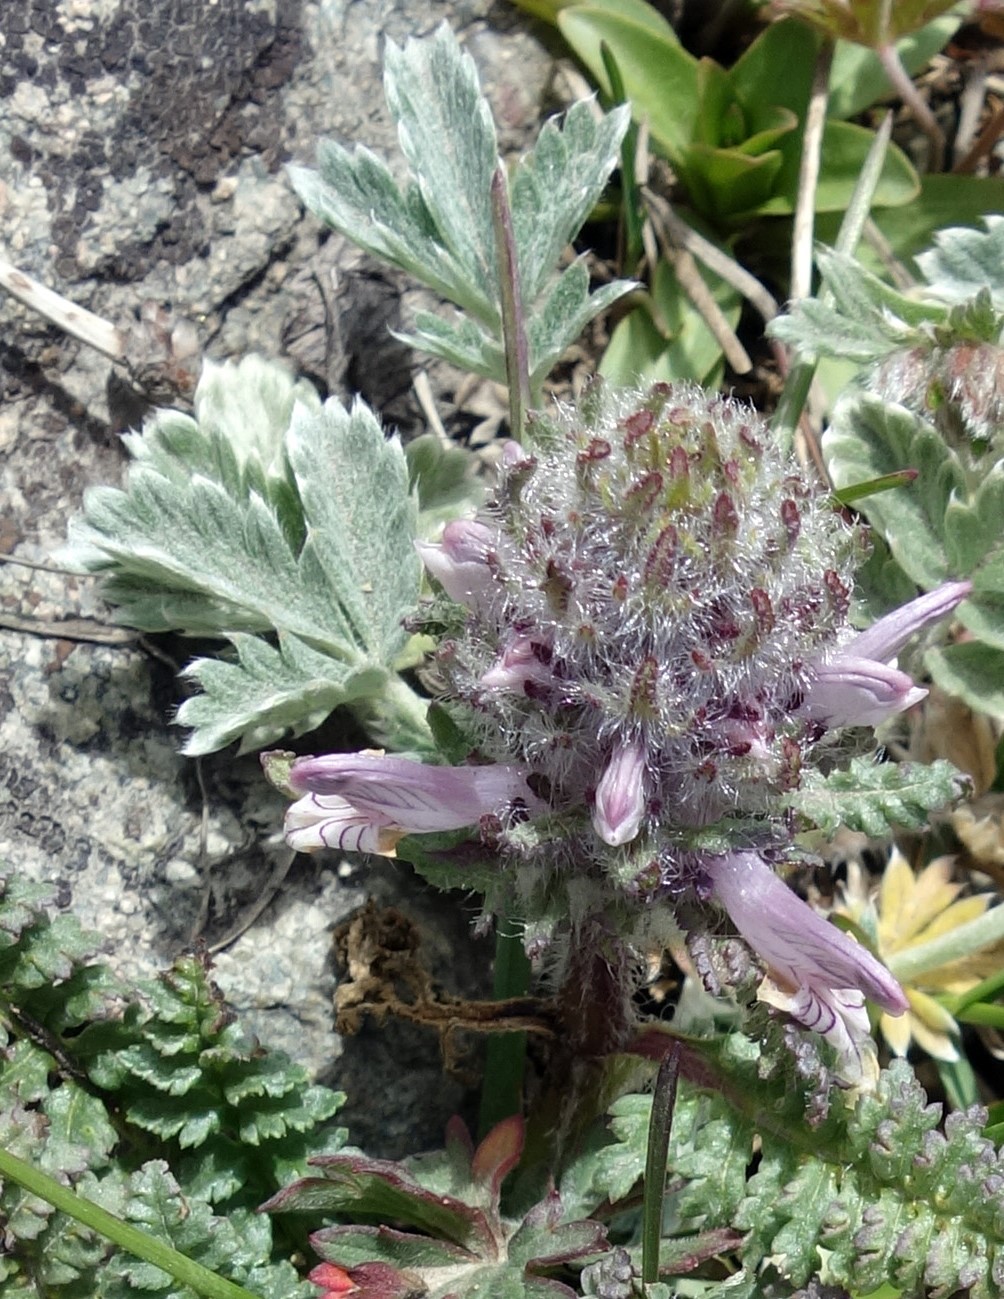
(663, 1104)
(517, 366)
(953, 946)
(800, 376)
(631, 201)
(135, 1241)
(505, 1053)
(808, 176)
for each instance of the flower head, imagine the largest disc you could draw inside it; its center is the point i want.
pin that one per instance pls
(650, 644)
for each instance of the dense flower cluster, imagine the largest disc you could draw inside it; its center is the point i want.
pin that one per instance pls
(650, 642)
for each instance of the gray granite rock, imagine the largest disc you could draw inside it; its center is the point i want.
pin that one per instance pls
(141, 152)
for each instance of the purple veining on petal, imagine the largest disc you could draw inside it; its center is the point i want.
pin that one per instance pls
(327, 821)
(790, 937)
(820, 974)
(412, 796)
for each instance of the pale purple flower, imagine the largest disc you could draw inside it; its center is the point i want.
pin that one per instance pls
(816, 973)
(859, 692)
(860, 685)
(365, 802)
(885, 638)
(460, 561)
(651, 587)
(620, 795)
(521, 662)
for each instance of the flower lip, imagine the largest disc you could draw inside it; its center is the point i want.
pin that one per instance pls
(853, 691)
(860, 684)
(460, 561)
(793, 941)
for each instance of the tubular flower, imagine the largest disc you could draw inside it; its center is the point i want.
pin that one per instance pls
(366, 802)
(650, 644)
(860, 685)
(815, 972)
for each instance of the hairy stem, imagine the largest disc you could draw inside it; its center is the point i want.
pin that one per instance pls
(513, 321)
(396, 718)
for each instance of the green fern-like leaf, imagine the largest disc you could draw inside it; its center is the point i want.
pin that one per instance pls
(240, 1119)
(878, 1191)
(88, 1078)
(876, 797)
(237, 1246)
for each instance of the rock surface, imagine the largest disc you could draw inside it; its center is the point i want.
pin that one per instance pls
(141, 152)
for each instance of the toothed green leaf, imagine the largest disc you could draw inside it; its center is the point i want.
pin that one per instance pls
(440, 229)
(964, 262)
(878, 797)
(869, 438)
(267, 514)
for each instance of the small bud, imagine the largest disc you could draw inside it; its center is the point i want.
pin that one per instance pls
(620, 795)
(460, 562)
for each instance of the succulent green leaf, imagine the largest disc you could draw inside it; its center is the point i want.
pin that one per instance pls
(660, 77)
(668, 339)
(857, 78)
(786, 44)
(844, 148)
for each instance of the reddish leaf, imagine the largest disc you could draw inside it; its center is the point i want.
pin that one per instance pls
(498, 1154)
